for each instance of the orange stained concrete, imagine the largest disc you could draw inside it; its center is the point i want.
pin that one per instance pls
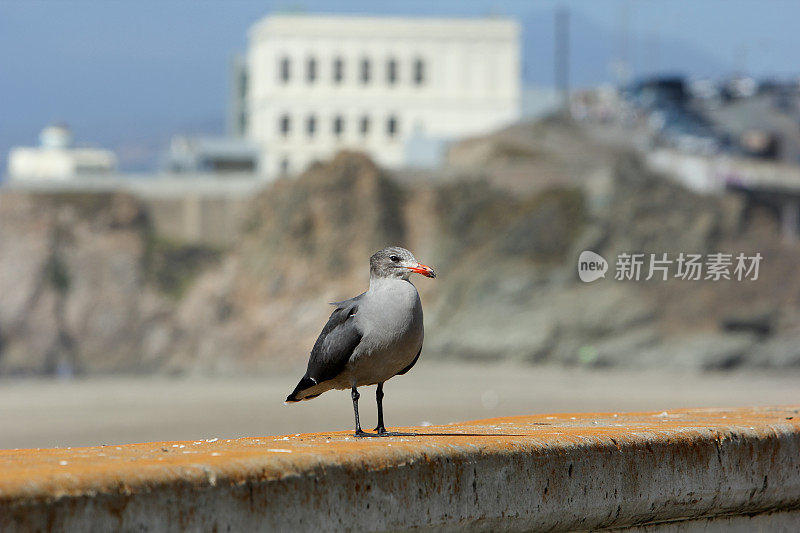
(44, 474)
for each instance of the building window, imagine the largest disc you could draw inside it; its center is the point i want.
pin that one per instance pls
(284, 165)
(285, 70)
(338, 70)
(365, 71)
(338, 126)
(391, 71)
(285, 125)
(311, 70)
(363, 126)
(419, 72)
(391, 126)
(311, 125)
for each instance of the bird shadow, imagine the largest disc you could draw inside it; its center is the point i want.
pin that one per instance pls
(469, 435)
(437, 434)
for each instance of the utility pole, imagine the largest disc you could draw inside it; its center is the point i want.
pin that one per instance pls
(562, 57)
(623, 61)
(652, 64)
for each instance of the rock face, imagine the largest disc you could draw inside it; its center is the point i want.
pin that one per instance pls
(71, 272)
(309, 241)
(305, 244)
(87, 286)
(80, 289)
(507, 284)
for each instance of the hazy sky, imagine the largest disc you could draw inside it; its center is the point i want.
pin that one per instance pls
(129, 73)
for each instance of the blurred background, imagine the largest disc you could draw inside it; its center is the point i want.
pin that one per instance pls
(185, 185)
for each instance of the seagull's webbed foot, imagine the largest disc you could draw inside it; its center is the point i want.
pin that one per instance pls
(359, 433)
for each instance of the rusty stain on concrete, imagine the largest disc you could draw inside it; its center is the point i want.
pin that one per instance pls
(556, 472)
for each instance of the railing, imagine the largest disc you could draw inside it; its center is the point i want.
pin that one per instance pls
(150, 185)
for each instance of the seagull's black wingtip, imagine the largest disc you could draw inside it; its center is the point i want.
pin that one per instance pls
(305, 384)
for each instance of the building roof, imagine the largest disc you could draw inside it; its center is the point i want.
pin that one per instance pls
(293, 25)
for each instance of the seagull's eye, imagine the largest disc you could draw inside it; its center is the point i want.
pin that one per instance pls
(394, 258)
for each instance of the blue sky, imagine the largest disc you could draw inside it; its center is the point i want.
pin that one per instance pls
(129, 73)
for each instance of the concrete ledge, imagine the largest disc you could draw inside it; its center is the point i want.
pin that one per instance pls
(548, 472)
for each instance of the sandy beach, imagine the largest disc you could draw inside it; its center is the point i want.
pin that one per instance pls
(80, 412)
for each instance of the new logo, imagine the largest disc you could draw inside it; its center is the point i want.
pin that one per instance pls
(591, 266)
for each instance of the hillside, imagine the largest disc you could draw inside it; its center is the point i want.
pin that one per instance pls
(90, 289)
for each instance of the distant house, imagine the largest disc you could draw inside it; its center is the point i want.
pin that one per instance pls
(56, 158)
(312, 85)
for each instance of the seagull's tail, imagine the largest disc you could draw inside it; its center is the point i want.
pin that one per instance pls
(297, 394)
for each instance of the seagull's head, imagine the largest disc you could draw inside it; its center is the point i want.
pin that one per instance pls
(398, 263)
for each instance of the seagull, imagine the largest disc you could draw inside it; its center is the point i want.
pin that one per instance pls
(370, 338)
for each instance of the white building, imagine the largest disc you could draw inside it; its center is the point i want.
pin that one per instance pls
(396, 88)
(57, 159)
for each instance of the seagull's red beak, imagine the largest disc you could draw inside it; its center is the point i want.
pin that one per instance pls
(424, 270)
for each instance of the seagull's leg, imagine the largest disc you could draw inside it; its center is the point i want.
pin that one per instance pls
(381, 429)
(379, 398)
(359, 433)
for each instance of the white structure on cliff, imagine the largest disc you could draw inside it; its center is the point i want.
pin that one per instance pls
(57, 159)
(395, 88)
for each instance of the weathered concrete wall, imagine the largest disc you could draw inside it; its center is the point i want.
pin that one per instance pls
(674, 471)
(198, 219)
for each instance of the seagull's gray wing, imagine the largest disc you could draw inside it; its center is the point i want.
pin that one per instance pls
(333, 348)
(335, 344)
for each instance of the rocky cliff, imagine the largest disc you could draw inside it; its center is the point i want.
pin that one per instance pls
(88, 287)
(308, 241)
(507, 284)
